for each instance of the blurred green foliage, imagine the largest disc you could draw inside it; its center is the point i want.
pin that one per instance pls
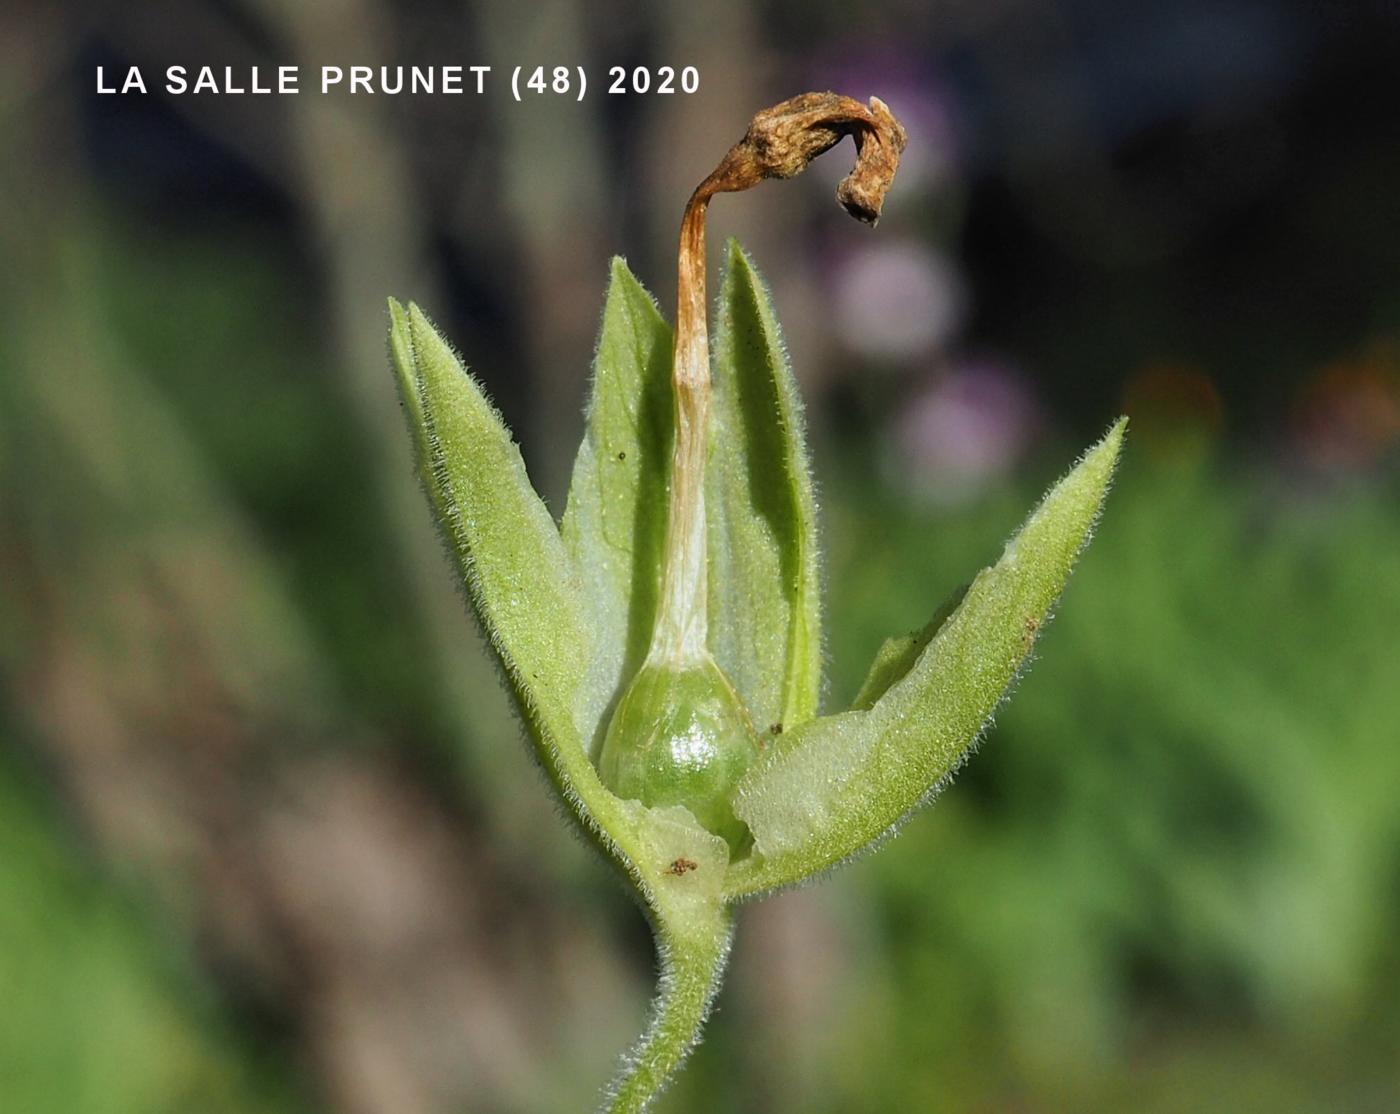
(102, 1009)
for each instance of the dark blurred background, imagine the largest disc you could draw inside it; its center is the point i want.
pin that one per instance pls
(269, 840)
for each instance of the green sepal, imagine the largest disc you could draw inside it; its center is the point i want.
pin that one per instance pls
(528, 597)
(897, 655)
(507, 550)
(834, 787)
(614, 522)
(765, 590)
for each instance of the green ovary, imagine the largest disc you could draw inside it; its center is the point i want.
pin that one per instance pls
(681, 736)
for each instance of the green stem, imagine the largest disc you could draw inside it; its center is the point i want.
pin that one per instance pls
(692, 964)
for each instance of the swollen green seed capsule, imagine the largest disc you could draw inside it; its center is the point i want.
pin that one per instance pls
(681, 736)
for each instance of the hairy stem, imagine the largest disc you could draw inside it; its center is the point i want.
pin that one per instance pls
(692, 964)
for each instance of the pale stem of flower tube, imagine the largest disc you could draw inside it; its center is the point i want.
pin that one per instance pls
(779, 143)
(681, 624)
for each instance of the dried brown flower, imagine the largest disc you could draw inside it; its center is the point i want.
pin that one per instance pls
(782, 140)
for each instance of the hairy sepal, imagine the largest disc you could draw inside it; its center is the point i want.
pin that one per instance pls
(765, 590)
(614, 522)
(527, 595)
(831, 789)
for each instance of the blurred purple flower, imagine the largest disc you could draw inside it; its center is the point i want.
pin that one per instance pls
(962, 431)
(897, 300)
